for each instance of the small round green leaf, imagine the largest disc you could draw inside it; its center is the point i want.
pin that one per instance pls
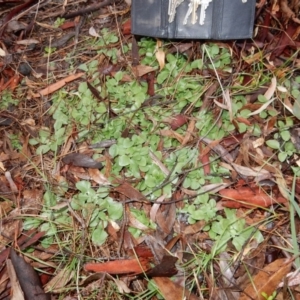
(124, 160)
(273, 144)
(285, 135)
(99, 236)
(282, 156)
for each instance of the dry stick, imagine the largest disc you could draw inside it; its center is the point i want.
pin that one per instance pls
(124, 222)
(88, 9)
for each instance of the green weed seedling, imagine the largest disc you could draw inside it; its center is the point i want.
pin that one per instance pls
(220, 56)
(49, 50)
(271, 297)
(141, 217)
(15, 141)
(7, 100)
(147, 49)
(220, 229)
(59, 21)
(95, 207)
(285, 148)
(293, 88)
(103, 44)
(232, 228)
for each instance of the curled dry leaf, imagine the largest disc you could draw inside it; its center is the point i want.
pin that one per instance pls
(27, 42)
(248, 197)
(160, 55)
(57, 85)
(142, 70)
(12, 184)
(126, 27)
(67, 25)
(92, 32)
(136, 223)
(172, 134)
(178, 121)
(16, 291)
(272, 88)
(157, 161)
(125, 266)
(173, 291)
(98, 177)
(189, 132)
(165, 268)
(155, 207)
(28, 278)
(81, 160)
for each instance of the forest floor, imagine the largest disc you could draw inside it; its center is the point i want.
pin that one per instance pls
(143, 168)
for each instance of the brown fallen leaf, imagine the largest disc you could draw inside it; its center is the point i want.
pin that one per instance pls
(5, 208)
(189, 132)
(126, 266)
(128, 190)
(81, 160)
(166, 267)
(126, 27)
(172, 134)
(28, 278)
(172, 291)
(142, 70)
(204, 158)
(59, 281)
(16, 291)
(57, 85)
(98, 177)
(177, 121)
(248, 197)
(160, 55)
(267, 280)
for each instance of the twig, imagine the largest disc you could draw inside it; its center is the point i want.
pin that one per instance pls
(88, 9)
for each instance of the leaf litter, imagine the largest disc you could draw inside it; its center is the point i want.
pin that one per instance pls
(171, 167)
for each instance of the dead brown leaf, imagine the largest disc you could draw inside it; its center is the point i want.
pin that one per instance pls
(5, 208)
(142, 70)
(172, 291)
(81, 160)
(189, 132)
(248, 197)
(98, 177)
(125, 266)
(32, 201)
(17, 293)
(28, 278)
(59, 281)
(58, 85)
(160, 55)
(267, 280)
(172, 134)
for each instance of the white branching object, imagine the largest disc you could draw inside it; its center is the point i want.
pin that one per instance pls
(192, 10)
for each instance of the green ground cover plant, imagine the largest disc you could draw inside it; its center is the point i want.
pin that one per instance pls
(79, 214)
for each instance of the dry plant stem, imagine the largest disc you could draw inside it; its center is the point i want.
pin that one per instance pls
(77, 29)
(88, 9)
(121, 241)
(277, 243)
(83, 225)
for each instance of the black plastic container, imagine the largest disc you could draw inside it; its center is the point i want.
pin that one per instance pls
(224, 20)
